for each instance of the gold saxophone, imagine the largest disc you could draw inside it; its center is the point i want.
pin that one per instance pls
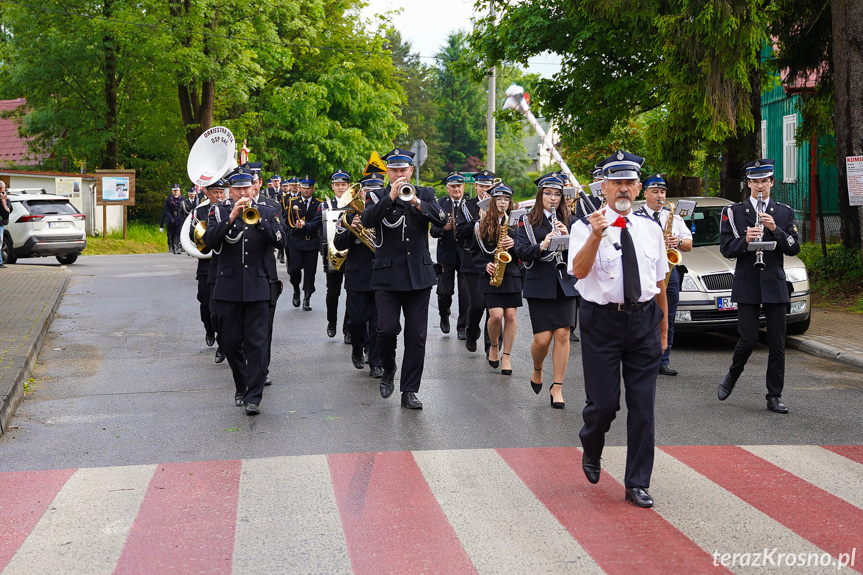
(673, 255)
(501, 256)
(352, 199)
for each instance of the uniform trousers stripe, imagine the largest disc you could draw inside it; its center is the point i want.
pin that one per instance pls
(822, 518)
(613, 533)
(391, 519)
(186, 522)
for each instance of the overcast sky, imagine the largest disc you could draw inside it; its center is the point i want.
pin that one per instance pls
(427, 23)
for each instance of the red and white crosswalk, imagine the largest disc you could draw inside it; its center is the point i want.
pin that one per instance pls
(740, 509)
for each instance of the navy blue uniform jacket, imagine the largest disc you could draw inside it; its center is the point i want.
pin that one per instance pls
(447, 245)
(359, 261)
(403, 261)
(541, 277)
(307, 238)
(751, 285)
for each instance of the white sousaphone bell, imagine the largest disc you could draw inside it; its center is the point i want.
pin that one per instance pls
(211, 158)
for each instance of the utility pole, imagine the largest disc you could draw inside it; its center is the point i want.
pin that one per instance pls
(492, 89)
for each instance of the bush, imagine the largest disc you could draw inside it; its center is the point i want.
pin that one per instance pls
(838, 276)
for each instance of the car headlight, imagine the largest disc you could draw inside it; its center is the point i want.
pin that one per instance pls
(795, 275)
(683, 315)
(798, 306)
(688, 284)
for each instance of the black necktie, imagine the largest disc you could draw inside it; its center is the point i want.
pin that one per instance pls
(656, 217)
(631, 278)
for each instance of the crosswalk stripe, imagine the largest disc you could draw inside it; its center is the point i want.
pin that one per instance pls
(820, 467)
(619, 537)
(186, 521)
(85, 527)
(24, 497)
(288, 520)
(718, 521)
(820, 517)
(498, 520)
(392, 522)
(852, 452)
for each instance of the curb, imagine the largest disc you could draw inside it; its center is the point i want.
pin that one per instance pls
(11, 400)
(822, 350)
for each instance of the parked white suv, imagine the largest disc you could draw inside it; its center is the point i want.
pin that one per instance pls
(41, 224)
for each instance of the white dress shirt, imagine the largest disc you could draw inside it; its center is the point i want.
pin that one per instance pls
(678, 228)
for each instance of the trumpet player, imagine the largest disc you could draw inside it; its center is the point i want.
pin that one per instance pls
(678, 237)
(304, 241)
(340, 181)
(360, 299)
(242, 294)
(403, 273)
(449, 258)
(500, 283)
(548, 287)
(759, 218)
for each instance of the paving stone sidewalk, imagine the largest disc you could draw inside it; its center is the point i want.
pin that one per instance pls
(834, 335)
(29, 296)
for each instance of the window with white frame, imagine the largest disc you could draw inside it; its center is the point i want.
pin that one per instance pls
(763, 138)
(789, 148)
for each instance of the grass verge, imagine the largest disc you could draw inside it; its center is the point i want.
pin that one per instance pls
(141, 239)
(836, 281)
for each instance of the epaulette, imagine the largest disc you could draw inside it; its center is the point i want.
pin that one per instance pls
(783, 205)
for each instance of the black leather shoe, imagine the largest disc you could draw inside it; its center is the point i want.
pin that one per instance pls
(639, 496)
(348, 338)
(252, 409)
(572, 335)
(282, 259)
(470, 345)
(462, 335)
(665, 369)
(331, 330)
(238, 399)
(296, 298)
(268, 381)
(387, 385)
(409, 400)
(220, 357)
(307, 303)
(210, 339)
(376, 371)
(726, 387)
(444, 324)
(358, 362)
(775, 405)
(592, 468)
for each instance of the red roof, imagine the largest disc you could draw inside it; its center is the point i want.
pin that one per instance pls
(13, 148)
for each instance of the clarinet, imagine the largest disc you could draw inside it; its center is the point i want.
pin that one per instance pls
(759, 253)
(558, 255)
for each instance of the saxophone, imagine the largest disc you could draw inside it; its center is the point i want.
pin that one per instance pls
(501, 256)
(673, 255)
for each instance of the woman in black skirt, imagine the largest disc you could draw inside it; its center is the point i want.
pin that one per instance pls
(501, 300)
(548, 288)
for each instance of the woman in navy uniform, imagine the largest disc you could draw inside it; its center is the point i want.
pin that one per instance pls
(623, 322)
(242, 291)
(403, 272)
(754, 289)
(360, 299)
(304, 243)
(548, 287)
(501, 301)
(449, 257)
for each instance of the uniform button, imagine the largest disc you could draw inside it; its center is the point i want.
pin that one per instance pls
(247, 253)
(245, 266)
(408, 239)
(409, 253)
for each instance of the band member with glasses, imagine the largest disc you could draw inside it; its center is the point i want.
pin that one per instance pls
(548, 287)
(504, 297)
(340, 181)
(403, 272)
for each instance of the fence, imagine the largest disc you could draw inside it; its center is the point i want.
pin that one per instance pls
(809, 218)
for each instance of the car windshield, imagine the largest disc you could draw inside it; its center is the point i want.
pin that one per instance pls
(49, 207)
(704, 225)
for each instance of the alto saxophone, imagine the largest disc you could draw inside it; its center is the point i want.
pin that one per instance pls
(673, 255)
(501, 256)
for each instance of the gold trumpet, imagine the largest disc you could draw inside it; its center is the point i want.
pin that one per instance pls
(251, 216)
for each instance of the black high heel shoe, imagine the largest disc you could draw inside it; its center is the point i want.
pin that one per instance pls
(537, 387)
(494, 364)
(506, 371)
(556, 404)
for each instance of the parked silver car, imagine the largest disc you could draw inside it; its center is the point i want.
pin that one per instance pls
(705, 292)
(42, 224)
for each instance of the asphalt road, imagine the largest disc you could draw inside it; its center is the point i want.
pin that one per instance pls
(125, 378)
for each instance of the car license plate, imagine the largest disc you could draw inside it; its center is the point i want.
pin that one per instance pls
(724, 303)
(58, 224)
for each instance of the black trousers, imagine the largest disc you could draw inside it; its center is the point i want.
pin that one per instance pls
(612, 340)
(362, 309)
(415, 306)
(274, 298)
(446, 288)
(334, 290)
(475, 311)
(302, 267)
(747, 328)
(205, 290)
(244, 326)
(173, 231)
